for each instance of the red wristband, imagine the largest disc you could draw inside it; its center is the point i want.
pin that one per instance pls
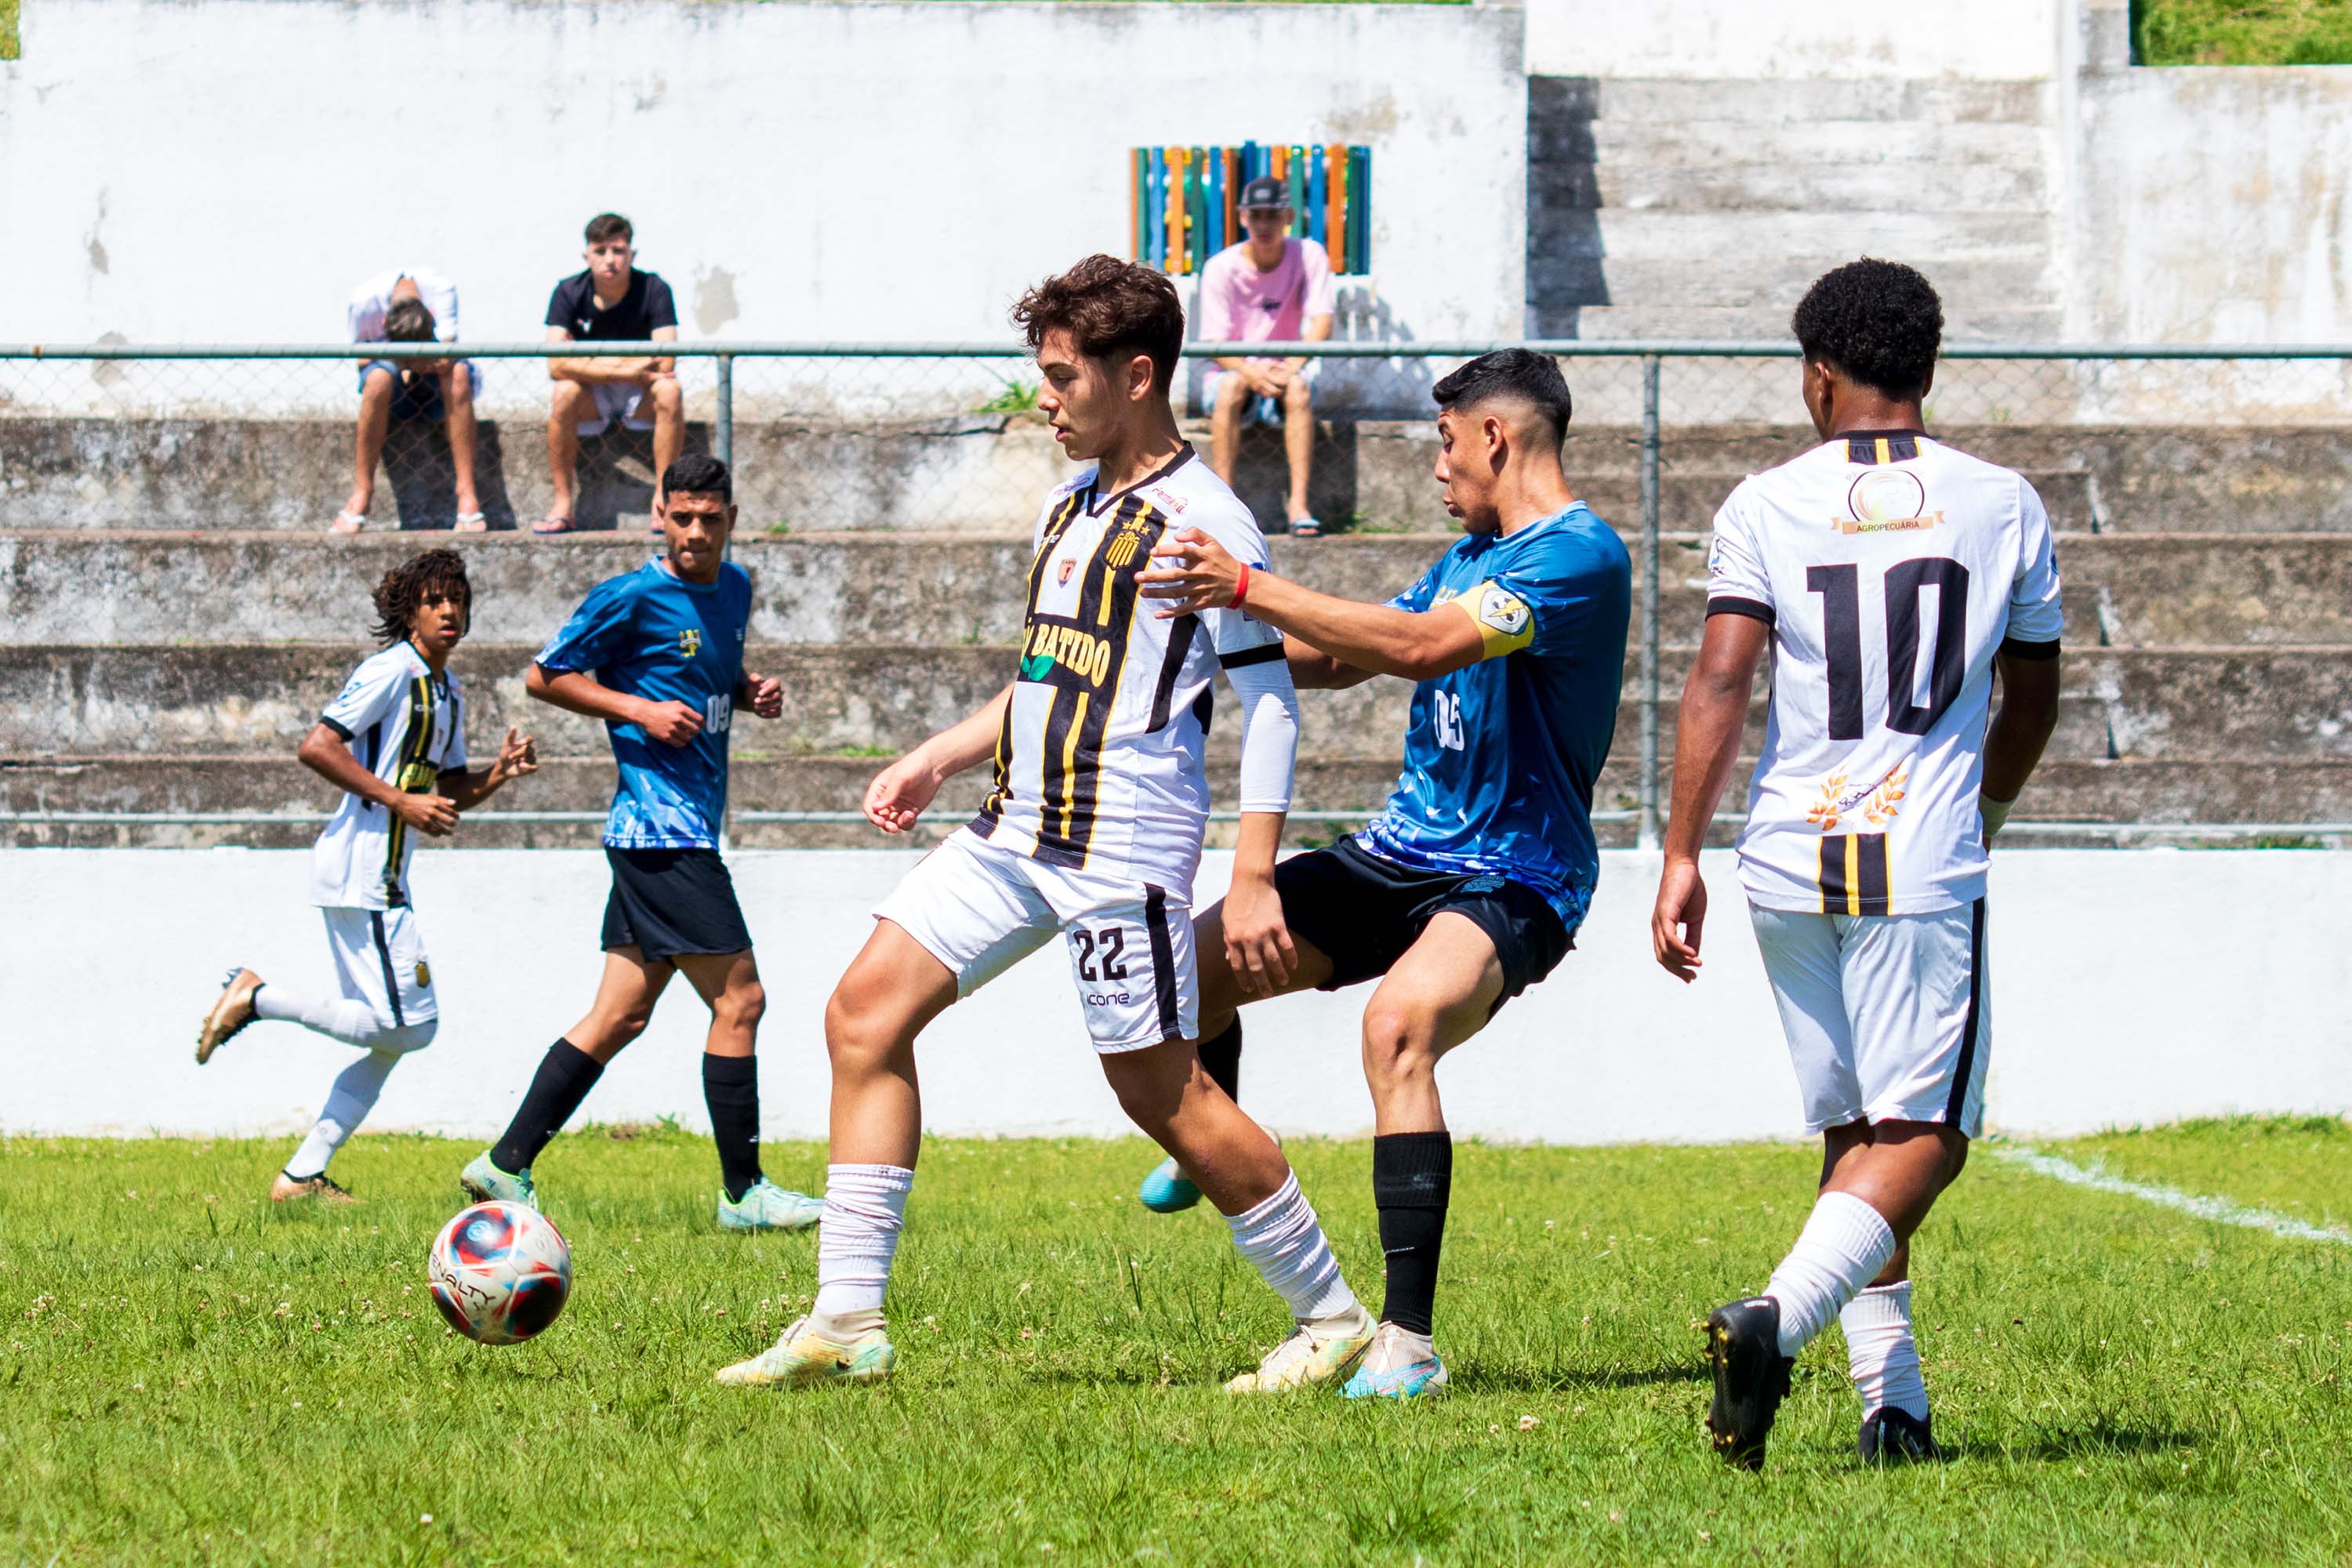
(1241, 586)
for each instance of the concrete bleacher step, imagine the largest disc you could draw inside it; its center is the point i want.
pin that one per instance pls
(2068, 791)
(88, 587)
(2256, 704)
(985, 474)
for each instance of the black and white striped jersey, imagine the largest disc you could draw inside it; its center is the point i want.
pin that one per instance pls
(405, 725)
(1098, 763)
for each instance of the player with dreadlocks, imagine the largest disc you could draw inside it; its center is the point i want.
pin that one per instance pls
(394, 742)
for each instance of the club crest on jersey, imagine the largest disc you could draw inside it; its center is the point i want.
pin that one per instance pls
(689, 641)
(1880, 802)
(1887, 500)
(1062, 572)
(423, 974)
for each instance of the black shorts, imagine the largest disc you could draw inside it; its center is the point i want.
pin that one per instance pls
(1362, 911)
(668, 901)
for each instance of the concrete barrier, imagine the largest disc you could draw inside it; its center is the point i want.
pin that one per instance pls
(2129, 987)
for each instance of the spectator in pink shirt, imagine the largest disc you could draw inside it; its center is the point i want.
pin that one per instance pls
(1268, 289)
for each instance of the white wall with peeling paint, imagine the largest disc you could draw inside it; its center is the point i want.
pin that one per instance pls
(1791, 39)
(230, 170)
(2123, 990)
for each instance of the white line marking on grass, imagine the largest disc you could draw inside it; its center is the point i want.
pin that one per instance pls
(2219, 1209)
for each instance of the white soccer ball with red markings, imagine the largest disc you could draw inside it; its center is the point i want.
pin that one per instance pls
(501, 1272)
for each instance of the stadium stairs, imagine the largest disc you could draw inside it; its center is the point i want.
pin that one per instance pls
(173, 618)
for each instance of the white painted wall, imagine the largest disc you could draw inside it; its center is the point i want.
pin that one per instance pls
(2130, 987)
(230, 170)
(1779, 39)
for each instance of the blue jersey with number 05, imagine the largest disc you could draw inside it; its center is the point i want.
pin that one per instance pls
(652, 634)
(1501, 756)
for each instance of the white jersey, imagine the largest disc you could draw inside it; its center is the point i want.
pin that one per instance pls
(405, 725)
(1891, 569)
(1098, 762)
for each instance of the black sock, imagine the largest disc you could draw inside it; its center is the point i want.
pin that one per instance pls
(1221, 1058)
(730, 1087)
(1412, 1177)
(565, 1076)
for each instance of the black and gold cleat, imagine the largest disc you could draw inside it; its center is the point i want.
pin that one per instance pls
(1896, 1436)
(1752, 1378)
(230, 1012)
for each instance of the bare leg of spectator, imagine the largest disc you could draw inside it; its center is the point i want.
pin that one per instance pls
(375, 420)
(668, 409)
(574, 407)
(1225, 424)
(457, 400)
(1298, 442)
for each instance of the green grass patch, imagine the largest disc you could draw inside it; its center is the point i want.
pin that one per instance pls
(2241, 32)
(193, 1375)
(12, 47)
(2296, 1166)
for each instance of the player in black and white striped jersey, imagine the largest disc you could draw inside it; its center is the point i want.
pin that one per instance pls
(394, 742)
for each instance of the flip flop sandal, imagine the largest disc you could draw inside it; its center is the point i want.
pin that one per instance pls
(553, 524)
(1305, 528)
(348, 522)
(472, 522)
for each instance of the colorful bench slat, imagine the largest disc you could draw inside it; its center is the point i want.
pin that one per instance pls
(1184, 202)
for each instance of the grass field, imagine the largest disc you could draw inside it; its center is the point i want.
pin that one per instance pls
(191, 1375)
(2241, 32)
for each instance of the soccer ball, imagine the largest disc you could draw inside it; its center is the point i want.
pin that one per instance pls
(501, 1272)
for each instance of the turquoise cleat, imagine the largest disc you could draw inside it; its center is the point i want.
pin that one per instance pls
(767, 1206)
(802, 1357)
(1168, 1190)
(1400, 1367)
(485, 1183)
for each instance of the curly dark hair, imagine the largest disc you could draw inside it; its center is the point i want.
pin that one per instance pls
(402, 589)
(1107, 305)
(1878, 323)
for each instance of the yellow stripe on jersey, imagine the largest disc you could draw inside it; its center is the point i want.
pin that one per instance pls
(1070, 762)
(1506, 624)
(1885, 452)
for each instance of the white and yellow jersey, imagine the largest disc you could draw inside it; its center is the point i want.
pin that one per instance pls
(405, 725)
(1892, 570)
(1098, 762)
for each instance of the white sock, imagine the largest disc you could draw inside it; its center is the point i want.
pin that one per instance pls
(864, 1206)
(1881, 1352)
(1845, 1245)
(353, 1096)
(1282, 1238)
(344, 1019)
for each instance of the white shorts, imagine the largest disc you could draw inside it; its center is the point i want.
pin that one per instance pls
(980, 908)
(1889, 1017)
(618, 400)
(380, 960)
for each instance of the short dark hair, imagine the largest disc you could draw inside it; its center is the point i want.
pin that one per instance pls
(1108, 306)
(609, 225)
(698, 473)
(1523, 374)
(407, 322)
(404, 588)
(1877, 322)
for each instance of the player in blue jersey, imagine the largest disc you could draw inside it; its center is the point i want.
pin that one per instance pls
(1470, 887)
(657, 653)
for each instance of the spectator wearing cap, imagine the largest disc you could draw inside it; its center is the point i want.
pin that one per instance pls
(612, 301)
(1270, 288)
(411, 306)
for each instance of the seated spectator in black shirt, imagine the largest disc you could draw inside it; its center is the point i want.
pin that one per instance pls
(610, 302)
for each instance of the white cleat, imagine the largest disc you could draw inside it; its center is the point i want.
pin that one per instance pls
(1308, 1359)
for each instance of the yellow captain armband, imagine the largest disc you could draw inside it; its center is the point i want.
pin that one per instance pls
(1506, 624)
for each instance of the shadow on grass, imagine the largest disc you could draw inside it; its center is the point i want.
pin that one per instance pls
(2097, 1440)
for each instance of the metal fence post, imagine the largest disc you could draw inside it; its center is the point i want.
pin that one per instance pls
(723, 438)
(1649, 828)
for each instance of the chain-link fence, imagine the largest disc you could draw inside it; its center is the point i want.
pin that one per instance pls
(2175, 444)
